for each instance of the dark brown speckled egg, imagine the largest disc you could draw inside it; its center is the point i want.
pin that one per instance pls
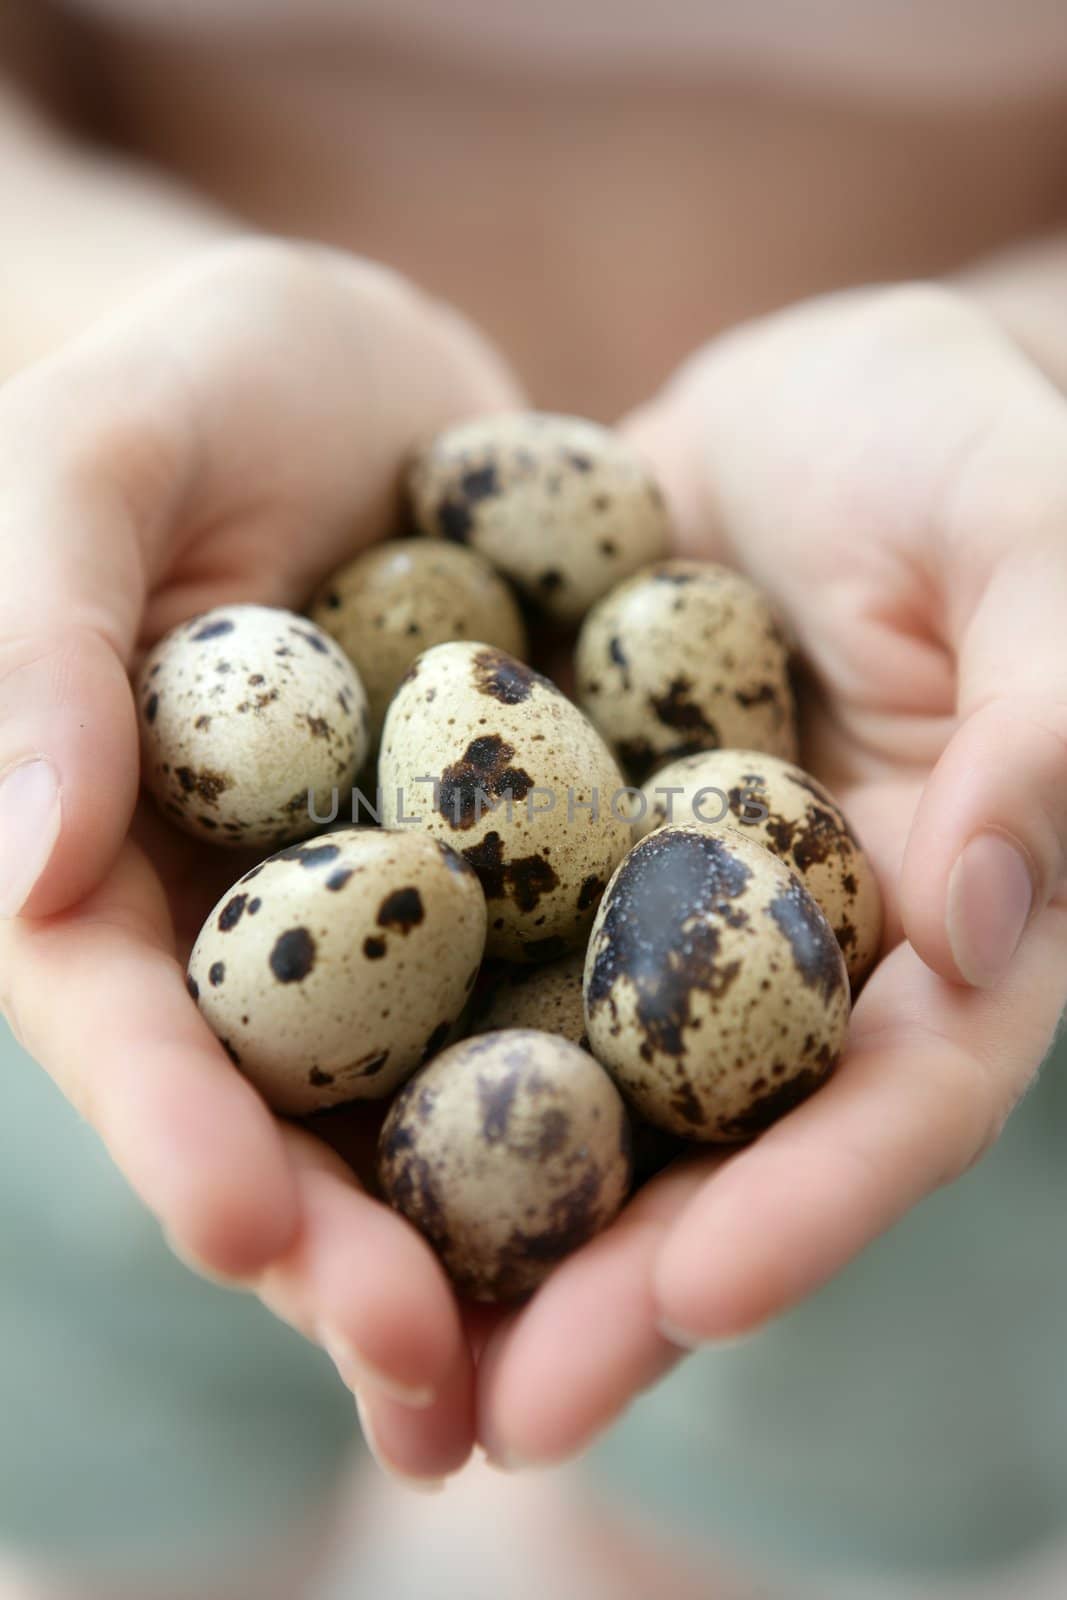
(507, 1152)
(250, 719)
(336, 967)
(792, 814)
(563, 507)
(547, 997)
(685, 656)
(399, 598)
(715, 992)
(490, 757)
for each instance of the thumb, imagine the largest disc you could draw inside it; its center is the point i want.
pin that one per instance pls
(988, 844)
(69, 613)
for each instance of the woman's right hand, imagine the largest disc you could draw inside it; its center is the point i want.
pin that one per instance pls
(232, 435)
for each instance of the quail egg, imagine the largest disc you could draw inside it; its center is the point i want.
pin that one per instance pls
(334, 968)
(685, 656)
(396, 599)
(715, 992)
(251, 719)
(508, 1152)
(548, 997)
(492, 758)
(563, 507)
(790, 813)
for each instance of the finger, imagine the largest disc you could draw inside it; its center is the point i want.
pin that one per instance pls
(989, 842)
(69, 611)
(126, 1044)
(931, 1073)
(420, 1447)
(365, 1285)
(545, 1386)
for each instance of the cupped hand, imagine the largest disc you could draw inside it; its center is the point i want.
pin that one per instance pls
(893, 471)
(231, 436)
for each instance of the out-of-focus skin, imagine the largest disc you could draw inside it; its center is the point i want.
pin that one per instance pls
(219, 421)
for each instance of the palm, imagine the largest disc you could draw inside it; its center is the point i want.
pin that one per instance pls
(849, 465)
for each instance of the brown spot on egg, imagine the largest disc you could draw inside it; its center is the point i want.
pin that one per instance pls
(496, 1096)
(815, 951)
(659, 931)
(293, 955)
(481, 776)
(435, 1042)
(675, 710)
(206, 784)
(231, 913)
(504, 678)
(590, 891)
(523, 880)
(775, 1103)
(401, 910)
(213, 630)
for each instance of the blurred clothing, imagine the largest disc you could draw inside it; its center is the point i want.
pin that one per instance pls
(910, 1420)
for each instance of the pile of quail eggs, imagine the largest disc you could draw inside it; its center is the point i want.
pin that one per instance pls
(556, 934)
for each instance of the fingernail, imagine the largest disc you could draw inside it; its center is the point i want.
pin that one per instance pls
(685, 1340)
(422, 1485)
(681, 1337)
(504, 1461)
(29, 826)
(356, 1371)
(990, 896)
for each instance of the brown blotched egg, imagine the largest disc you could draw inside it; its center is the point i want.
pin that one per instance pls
(715, 991)
(548, 997)
(561, 506)
(508, 1152)
(399, 598)
(250, 718)
(685, 656)
(492, 758)
(789, 812)
(336, 967)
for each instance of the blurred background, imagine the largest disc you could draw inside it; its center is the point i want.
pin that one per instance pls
(904, 1434)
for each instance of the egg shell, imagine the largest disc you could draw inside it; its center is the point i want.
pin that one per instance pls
(508, 1152)
(471, 726)
(250, 718)
(564, 507)
(802, 823)
(399, 598)
(715, 991)
(336, 967)
(547, 997)
(685, 656)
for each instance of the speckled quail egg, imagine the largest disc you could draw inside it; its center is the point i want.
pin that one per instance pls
(508, 1152)
(715, 992)
(790, 813)
(334, 968)
(250, 718)
(397, 599)
(548, 997)
(685, 656)
(564, 507)
(491, 757)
